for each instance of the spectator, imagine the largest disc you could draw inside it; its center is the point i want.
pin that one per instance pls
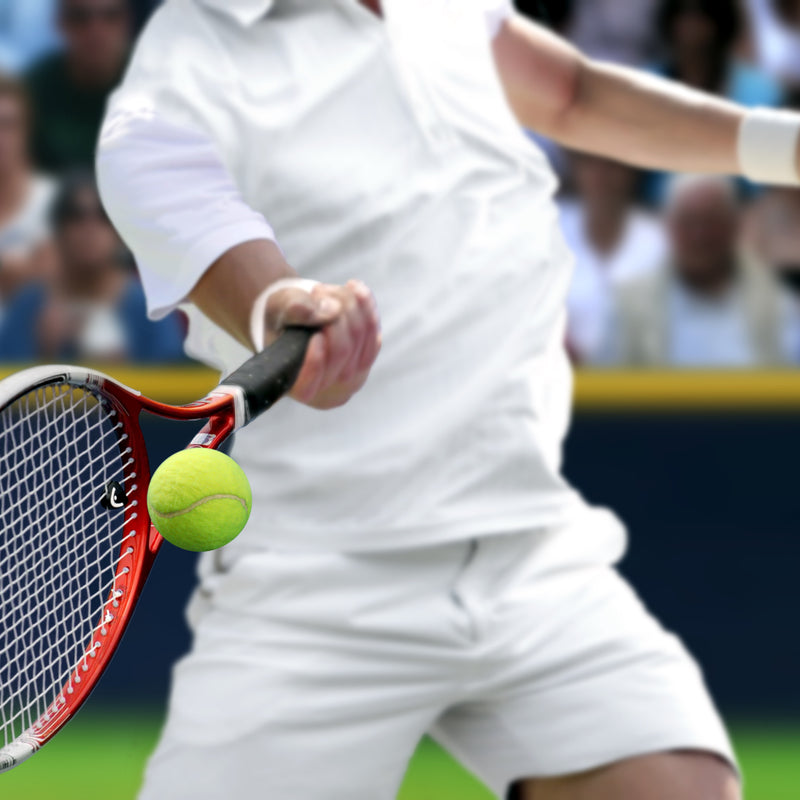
(774, 233)
(94, 308)
(700, 37)
(613, 242)
(553, 13)
(25, 197)
(623, 32)
(789, 13)
(26, 32)
(709, 305)
(69, 88)
(776, 33)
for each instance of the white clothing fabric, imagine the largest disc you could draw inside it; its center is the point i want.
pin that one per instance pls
(248, 11)
(178, 208)
(30, 226)
(450, 580)
(709, 333)
(714, 332)
(103, 335)
(314, 676)
(596, 277)
(378, 149)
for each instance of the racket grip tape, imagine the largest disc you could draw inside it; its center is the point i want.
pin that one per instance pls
(270, 374)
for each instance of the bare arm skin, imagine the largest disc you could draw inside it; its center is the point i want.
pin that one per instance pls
(339, 357)
(613, 111)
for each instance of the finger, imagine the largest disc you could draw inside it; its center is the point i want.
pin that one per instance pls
(298, 307)
(329, 304)
(312, 372)
(361, 329)
(344, 338)
(372, 340)
(372, 326)
(371, 351)
(361, 291)
(357, 382)
(339, 350)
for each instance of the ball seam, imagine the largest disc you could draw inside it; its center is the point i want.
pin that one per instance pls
(198, 503)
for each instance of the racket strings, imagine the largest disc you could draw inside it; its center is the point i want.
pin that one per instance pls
(59, 549)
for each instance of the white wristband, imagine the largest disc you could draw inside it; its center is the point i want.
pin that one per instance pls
(259, 310)
(768, 142)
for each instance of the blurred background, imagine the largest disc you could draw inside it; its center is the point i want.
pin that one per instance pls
(684, 324)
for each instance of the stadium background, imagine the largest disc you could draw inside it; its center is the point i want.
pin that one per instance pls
(700, 465)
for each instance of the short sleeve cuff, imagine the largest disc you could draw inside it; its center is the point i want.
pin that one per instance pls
(208, 249)
(497, 12)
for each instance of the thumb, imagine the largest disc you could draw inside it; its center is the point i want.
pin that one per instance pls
(292, 306)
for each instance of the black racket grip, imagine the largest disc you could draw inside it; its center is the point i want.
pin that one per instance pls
(270, 374)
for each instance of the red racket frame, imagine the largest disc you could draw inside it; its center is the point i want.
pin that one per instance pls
(253, 388)
(139, 548)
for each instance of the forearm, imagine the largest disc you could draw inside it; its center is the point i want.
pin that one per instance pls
(228, 302)
(627, 114)
(178, 207)
(650, 122)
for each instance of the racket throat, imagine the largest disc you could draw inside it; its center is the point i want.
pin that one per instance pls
(241, 410)
(220, 427)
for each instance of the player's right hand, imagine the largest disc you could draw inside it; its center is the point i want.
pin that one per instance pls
(340, 356)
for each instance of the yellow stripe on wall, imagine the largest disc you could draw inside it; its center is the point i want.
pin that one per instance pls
(687, 391)
(595, 390)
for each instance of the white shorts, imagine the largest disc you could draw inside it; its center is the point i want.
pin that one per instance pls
(314, 676)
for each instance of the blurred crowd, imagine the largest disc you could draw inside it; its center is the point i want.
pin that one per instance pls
(68, 287)
(695, 271)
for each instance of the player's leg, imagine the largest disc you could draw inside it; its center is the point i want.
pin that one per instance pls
(663, 776)
(579, 680)
(310, 677)
(244, 726)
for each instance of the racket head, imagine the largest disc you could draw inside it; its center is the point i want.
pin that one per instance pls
(69, 566)
(72, 567)
(76, 543)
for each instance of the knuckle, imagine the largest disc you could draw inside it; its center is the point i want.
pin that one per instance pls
(297, 310)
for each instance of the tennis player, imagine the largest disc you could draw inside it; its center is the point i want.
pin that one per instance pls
(415, 561)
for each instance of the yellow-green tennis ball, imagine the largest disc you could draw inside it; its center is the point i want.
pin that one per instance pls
(199, 499)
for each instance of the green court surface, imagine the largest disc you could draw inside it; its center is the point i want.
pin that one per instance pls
(100, 757)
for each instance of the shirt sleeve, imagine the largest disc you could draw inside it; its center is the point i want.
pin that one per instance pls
(173, 201)
(497, 12)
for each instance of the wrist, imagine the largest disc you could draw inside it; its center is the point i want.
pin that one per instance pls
(769, 147)
(258, 313)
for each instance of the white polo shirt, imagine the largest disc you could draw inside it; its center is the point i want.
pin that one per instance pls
(377, 149)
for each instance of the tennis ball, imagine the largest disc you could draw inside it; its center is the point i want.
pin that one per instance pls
(199, 499)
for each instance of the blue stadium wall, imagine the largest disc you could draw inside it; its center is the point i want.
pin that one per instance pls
(705, 475)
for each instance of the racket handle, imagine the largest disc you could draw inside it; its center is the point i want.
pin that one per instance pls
(270, 374)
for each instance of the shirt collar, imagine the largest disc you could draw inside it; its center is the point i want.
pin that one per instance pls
(245, 12)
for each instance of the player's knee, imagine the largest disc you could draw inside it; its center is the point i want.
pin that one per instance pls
(729, 787)
(710, 777)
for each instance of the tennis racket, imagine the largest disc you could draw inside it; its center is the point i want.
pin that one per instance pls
(76, 543)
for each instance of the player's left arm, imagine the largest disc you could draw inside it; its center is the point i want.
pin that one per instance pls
(632, 116)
